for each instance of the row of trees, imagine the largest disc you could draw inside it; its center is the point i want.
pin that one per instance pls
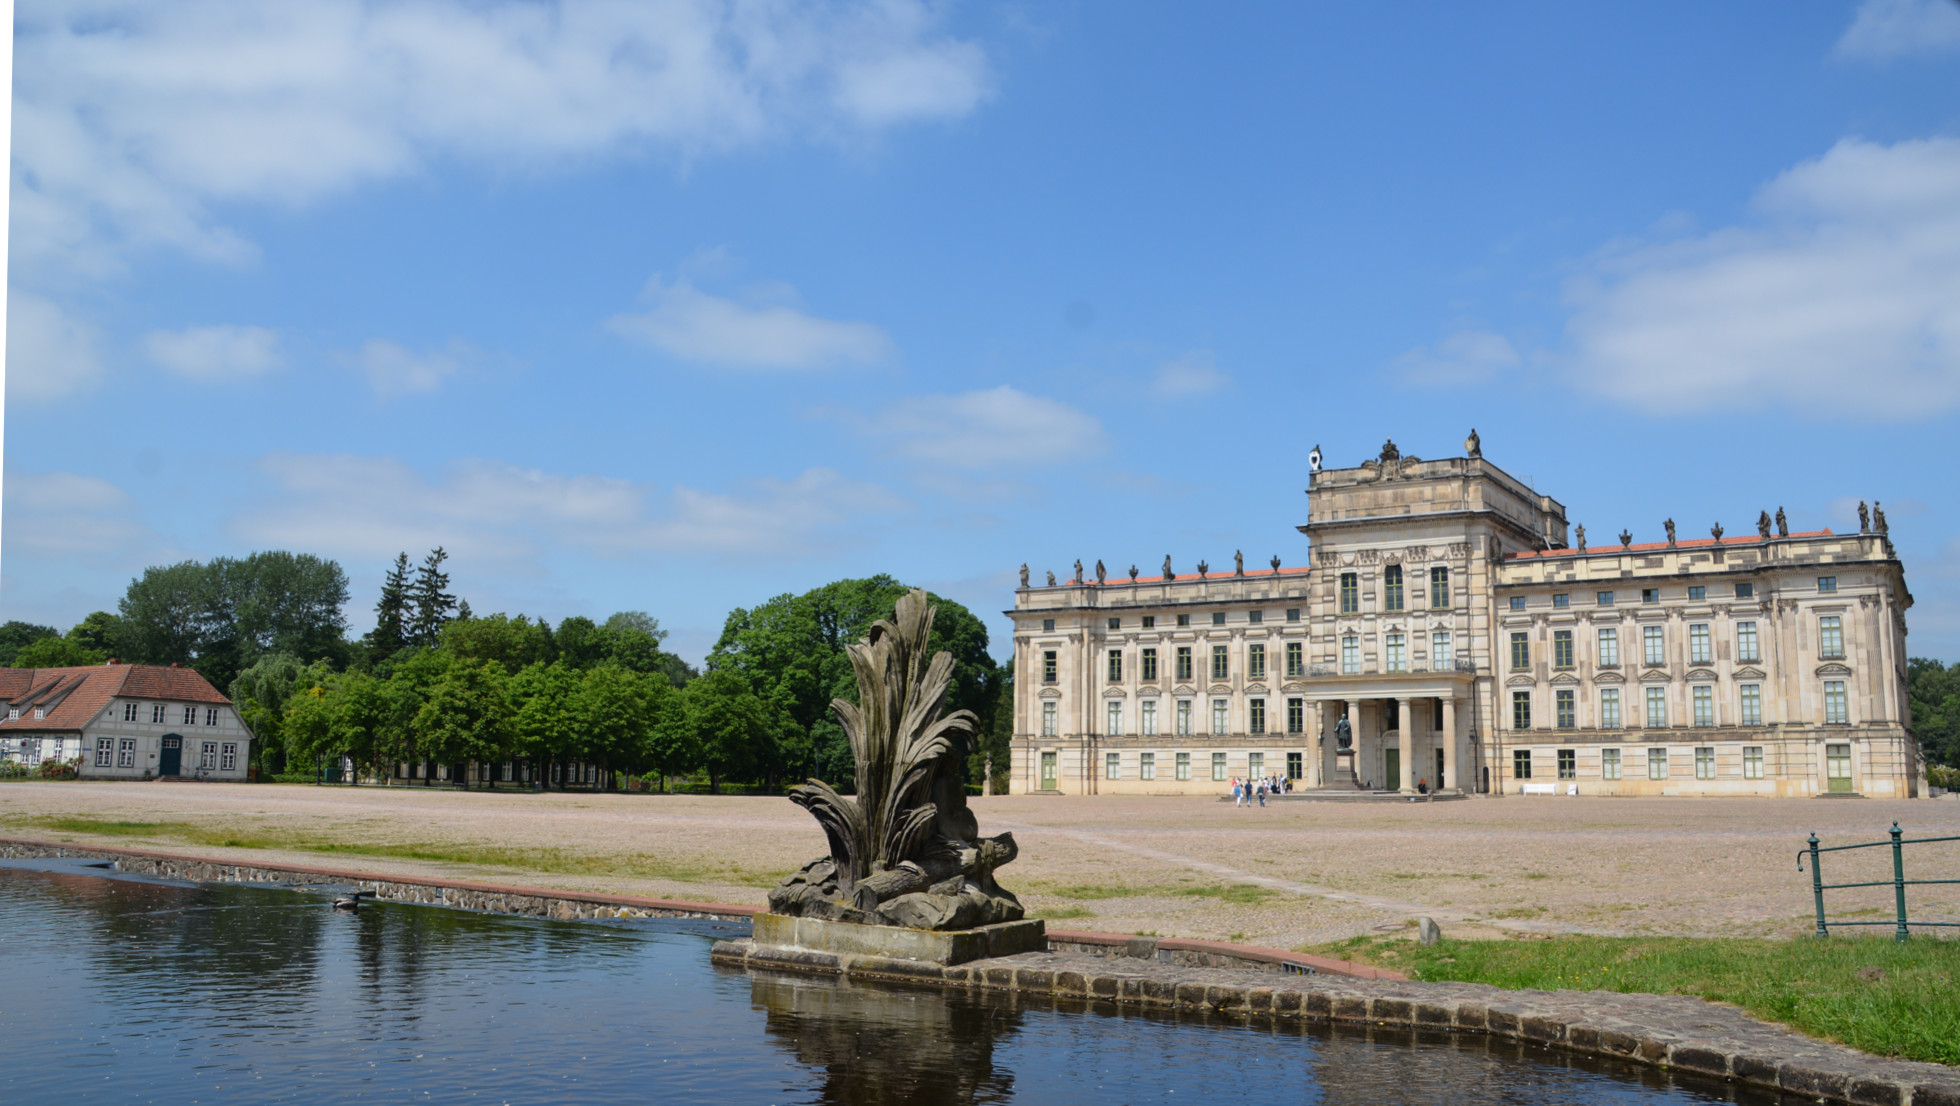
(1934, 691)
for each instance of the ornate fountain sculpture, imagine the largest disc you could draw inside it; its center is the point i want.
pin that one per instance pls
(905, 851)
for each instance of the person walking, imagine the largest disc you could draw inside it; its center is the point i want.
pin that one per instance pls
(1262, 793)
(1238, 793)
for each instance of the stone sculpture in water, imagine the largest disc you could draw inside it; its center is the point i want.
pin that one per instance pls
(906, 850)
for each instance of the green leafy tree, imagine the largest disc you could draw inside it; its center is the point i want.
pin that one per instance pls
(165, 614)
(514, 643)
(56, 652)
(545, 726)
(17, 635)
(221, 616)
(260, 694)
(100, 631)
(735, 732)
(1933, 691)
(617, 711)
(467, 715)
(581, 644)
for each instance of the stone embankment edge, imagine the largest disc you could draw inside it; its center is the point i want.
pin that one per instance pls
(541, 902)
(1668, 1032)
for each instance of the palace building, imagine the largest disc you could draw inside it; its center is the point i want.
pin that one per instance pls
(1470, 645)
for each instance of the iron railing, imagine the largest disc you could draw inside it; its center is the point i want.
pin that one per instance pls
(1898, 882)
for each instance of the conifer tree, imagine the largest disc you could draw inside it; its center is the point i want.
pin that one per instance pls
(433, 605)
(391, 613)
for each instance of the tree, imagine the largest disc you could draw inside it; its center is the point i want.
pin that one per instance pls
(1933, 692)
(430, 601)
(165, 613)
(221, 617)
(390, 631)
(580, 642)
(512, 642)
(99, 631)
(617, 711)
(16, 635)
(735, 731)
(467, 715)
(260, 694)
(544, 725)
(56, 652)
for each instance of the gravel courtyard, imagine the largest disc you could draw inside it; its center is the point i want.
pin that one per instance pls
(1290, 874)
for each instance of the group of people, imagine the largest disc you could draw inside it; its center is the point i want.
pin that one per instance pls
(1246, 792)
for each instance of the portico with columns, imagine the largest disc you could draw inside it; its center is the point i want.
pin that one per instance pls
(1415, 718)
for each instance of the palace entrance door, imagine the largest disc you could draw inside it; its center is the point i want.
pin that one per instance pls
(1392, 765)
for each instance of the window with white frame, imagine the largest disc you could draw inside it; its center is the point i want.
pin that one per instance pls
(1699, 651)
(1350, 655)
(1609, 708)
(1115, 711)
(1752, 762)
(1609, 764)
(1439, 650)
(156, 713)
(126, 752)
(1656, 707)
(105, 751)
(190, 716)
(1609, 647)
(1745, 642)
(1836, 709)
(207, 757)
(129, 712)
(1255, 662)
(1397, 656)
(1218, 766)
(1704, 762)
(1752, 704)
(1146, 766)
(1184, 717)
(1830, 637)
(1183, 766)
(228, 757)
(210, 716)
(1048, 718)
(1654, 638)
(1113, 766)
(1219, 715)
(1703, 696)
(1256, 715)
(1657, 764)
(1149, 718)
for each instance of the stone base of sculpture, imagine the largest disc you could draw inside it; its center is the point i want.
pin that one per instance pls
(937, 946)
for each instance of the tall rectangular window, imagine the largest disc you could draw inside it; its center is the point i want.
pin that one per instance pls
(1704, 762)
(1392, 588)
(1609, 764)
(1568, 764)
(1256, 715)
(1350, 655)
(1656, 707)
(1296, 659)
(1562, 649)
(105, 751)
(1752, 762)
(1218, 766)
(228, 757)
(1113, 766)
(1350, 593)
(210, 716)
(1609, 647)
(1048, 771)
(1221, 664)
(1439, 650)
(1149, 672)
(1183, 766)
(207, 753)
(1146, 766)
(1115, 665)
(1704, 700)
(1048, 667)
(126, 753)
(1609, 708)
(1521, 710)
(1294, 765)
(1657, 764)
(1654, 639)
(1752, 704)
(1255, 662)
(1567, 702)
(1520, 650)
(1149, 713)
(1830, 637)
(1698, 647)
(1397, 658)
(1439, 588)
(1048, 719)
(1218, 716)
(1521, 764)
(190, 719)
(1184, 717)
(1296, 716)
(156, 713)
(1183, 662)
(1115, 718)
(1745, 642)
(1836, 710)
(129, 712)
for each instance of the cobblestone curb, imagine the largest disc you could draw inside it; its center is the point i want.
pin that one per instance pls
(1662, 1031)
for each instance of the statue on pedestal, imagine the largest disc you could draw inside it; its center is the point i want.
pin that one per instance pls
(1878, 519)
(1582, 537)
(1100, 574)
(1864, 518)
(1669, 525)
(1782, 524)
(1024, 574)
(1168, 574)
(1238, 563)
(1762, 525)
(1343, 735)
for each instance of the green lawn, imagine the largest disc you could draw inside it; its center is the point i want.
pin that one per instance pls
(1871, 993)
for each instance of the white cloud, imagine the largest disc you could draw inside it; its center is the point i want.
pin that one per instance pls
(695, 326)
(1886, 29)
(502, 515)
(68, 515)
(215, 353)
(50, 353)
(1193, 374)
(1844, 300)
(997, 428)
(392, 370)
(1466, 357)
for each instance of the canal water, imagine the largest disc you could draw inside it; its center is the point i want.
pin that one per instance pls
(128, 990)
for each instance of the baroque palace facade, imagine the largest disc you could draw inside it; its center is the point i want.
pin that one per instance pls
(1447, 635)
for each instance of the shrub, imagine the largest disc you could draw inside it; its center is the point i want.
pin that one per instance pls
(1939, 775)
(52, 769)
(14, 770)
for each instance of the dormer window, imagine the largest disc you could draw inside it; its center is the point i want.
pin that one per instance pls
(40, 712)
(13, 714)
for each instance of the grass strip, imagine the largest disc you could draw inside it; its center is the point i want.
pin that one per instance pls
(1870, 993)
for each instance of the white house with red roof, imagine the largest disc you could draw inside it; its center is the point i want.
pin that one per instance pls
(125, 721)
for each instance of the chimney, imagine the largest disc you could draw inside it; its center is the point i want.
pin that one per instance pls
(112, 660)
(176, 664)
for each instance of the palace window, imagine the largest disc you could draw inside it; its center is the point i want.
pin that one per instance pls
(1568, 764)
(1256, 715)
(1218, 716)
(1255, 662)
(1697, 593)
(1350, 655)
(1296, 716)
(1699, 651)
(1704, 762)
(1048, 719)
(1115, 665)
(1184, 717)
(1183, 766)
(1150, 622)
(1650, 595)
(1255, 765)
(1561, 599)
(1149, 712)
(1745, 642)
(1184, 662)
(1294, 763)
(1656, 707)
(1520, 650)
(1218, 766)
(1752, 762)
(126, 753)
(1048, 667)
(156, 713)
(1439, 588)
(1752, 704)
(1562, 649)
(1654, 640)
(1184, 620)
(1149, 665)
(1392, 588)
(1255, 617)
(1112, 766)
(1521, 764)
(1836, 710)
(1397, 661)
(1296, 659)
(1567, 702)
(1704, 700)
(1115, 623)
(1830, 637)
(1047, 625)
(1218, 618)
(1350, 593)
(1657, 764)
(1221, 664)
(1609, 764)
(1609, 648)
(129, 712)
(1603, 598)
(1146, 766)
(105, 751)
(1609, 708)
(1521, 710)
(1745, 591)
(1439, 650)
(1293, 614)
(1115, 718)
(1827, 583)
(1517, 602)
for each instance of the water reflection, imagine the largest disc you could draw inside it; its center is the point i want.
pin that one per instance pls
(889, 1047)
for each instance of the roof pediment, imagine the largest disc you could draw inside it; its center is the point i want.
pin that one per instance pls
(1747, 672)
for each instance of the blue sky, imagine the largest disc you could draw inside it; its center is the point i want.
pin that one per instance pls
(679, 306)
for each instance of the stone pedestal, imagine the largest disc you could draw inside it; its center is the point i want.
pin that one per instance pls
(938, 946)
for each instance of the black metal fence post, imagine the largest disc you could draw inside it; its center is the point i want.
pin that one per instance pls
(1899, 880)
(1817, 886)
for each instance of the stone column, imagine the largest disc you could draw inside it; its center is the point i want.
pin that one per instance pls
(1405, 727)
(1321, 749)
(1449, 746)
(1354, 732)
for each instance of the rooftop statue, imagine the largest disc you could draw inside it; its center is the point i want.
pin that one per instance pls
(1716, 530)
(1473, 445)
(1782, 524)
(1024, 574)
(1864, 518)
(1762, 525)
(1168, 574)
(1626, 539)
(1275, 562)
(1238, 562)
(906, 851)
(1051, 579)
(1582, 537)
(1878, 519)
(1077, 578)
(1389, 452)
(1101, 573)
(1133, 574)
(1669, 525)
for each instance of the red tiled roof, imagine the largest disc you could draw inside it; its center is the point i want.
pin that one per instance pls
(1651, 546)
(1158, 577)
(77, 695)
